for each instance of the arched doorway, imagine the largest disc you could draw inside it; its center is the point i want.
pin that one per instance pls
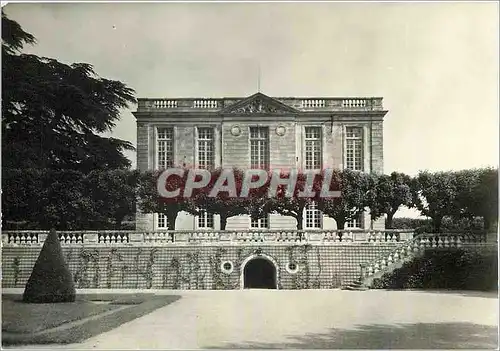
(259, 273)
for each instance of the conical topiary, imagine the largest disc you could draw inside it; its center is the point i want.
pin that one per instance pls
(50, 281)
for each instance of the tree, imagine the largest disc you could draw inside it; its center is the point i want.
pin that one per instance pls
(22, 190)
(50, 281)
(350, 205)
(486, 194)
(434, 195)
(67, 203)
(387, 193)
(295, 205)
(477, 196)
(114, 193)
(150, 201)
(48, 198)
(54, 114)
(224, 204)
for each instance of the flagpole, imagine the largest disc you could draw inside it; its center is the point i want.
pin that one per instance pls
(258, 79)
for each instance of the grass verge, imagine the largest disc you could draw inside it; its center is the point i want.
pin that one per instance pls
(64, 323)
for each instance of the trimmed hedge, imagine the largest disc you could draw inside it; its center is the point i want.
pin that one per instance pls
(453, 270)
(449, 225)
(51, 280)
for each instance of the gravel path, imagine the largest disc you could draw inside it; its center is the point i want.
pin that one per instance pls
(311, 319)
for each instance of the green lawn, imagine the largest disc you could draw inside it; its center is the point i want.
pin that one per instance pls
(31, 323)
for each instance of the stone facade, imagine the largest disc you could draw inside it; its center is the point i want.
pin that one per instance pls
(286, 119)
(198, 266)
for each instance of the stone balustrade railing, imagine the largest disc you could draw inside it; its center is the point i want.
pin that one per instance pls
(416, 246)
(300, 103)
(109, 237)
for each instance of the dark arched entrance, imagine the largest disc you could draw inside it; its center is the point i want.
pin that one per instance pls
(259, 273)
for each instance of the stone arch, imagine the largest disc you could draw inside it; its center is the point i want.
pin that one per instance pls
(253, 259)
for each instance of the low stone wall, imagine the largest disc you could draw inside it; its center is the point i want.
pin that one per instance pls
(191, 266)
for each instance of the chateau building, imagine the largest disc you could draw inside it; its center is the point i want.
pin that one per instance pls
(275, 132)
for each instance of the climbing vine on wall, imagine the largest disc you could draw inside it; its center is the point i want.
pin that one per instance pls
(299, 255)
(16, 264)
(146, 273)
(69, 255)
(110, 269)
(87, 258)
(192, 276)
(317, 281)
(176, 267)
(218, 281)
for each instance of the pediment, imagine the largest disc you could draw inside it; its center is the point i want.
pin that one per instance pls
(259, 104)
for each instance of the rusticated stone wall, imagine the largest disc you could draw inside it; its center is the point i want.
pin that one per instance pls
(197, 266)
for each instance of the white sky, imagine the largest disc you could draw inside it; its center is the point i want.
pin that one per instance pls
(435, 64)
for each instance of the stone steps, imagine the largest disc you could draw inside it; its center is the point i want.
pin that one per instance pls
(356, 285)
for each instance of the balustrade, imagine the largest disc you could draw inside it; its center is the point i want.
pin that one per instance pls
(107, 237)
(354, 103)
(414, 247)
(205, 104)
(313, 103)
(334, 103)
(160, 104)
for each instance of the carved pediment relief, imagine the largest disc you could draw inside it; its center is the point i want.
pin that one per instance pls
(259, 104)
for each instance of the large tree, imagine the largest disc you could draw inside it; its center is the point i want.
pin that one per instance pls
(224, 203)
(114, 193)
(151, 201)
(354, 188)
(294, 205)
(387, 194)
(477, 196)
(54, 115)
(434, 195)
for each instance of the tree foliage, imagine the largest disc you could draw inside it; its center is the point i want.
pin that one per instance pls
(434, 195)
(54, 114)
(354, 187)
(387, 194)
(224, 204)
(150, 200)
(68, 199)
(477, 195)
(114, 193)
(295, 205)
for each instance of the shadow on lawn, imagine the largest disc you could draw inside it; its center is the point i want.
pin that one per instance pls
(401, 336)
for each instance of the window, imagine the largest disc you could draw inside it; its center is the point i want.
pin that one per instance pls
(206, 148)
(260, 223)
(354, 148)
(313, 217)
(313, 148)
(165, 147)
(356, 223)
(162, 221)
(227, 267)
(292, 267)
(206, 221)
(259, 147)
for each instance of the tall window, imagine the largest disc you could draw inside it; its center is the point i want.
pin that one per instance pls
(206, 148)
(206, 220)
(354, 148)
(260, 223)
(162, 221)
(313, 148)
(313, 217)
(356, 223)
(259, 147)
(165, 148)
